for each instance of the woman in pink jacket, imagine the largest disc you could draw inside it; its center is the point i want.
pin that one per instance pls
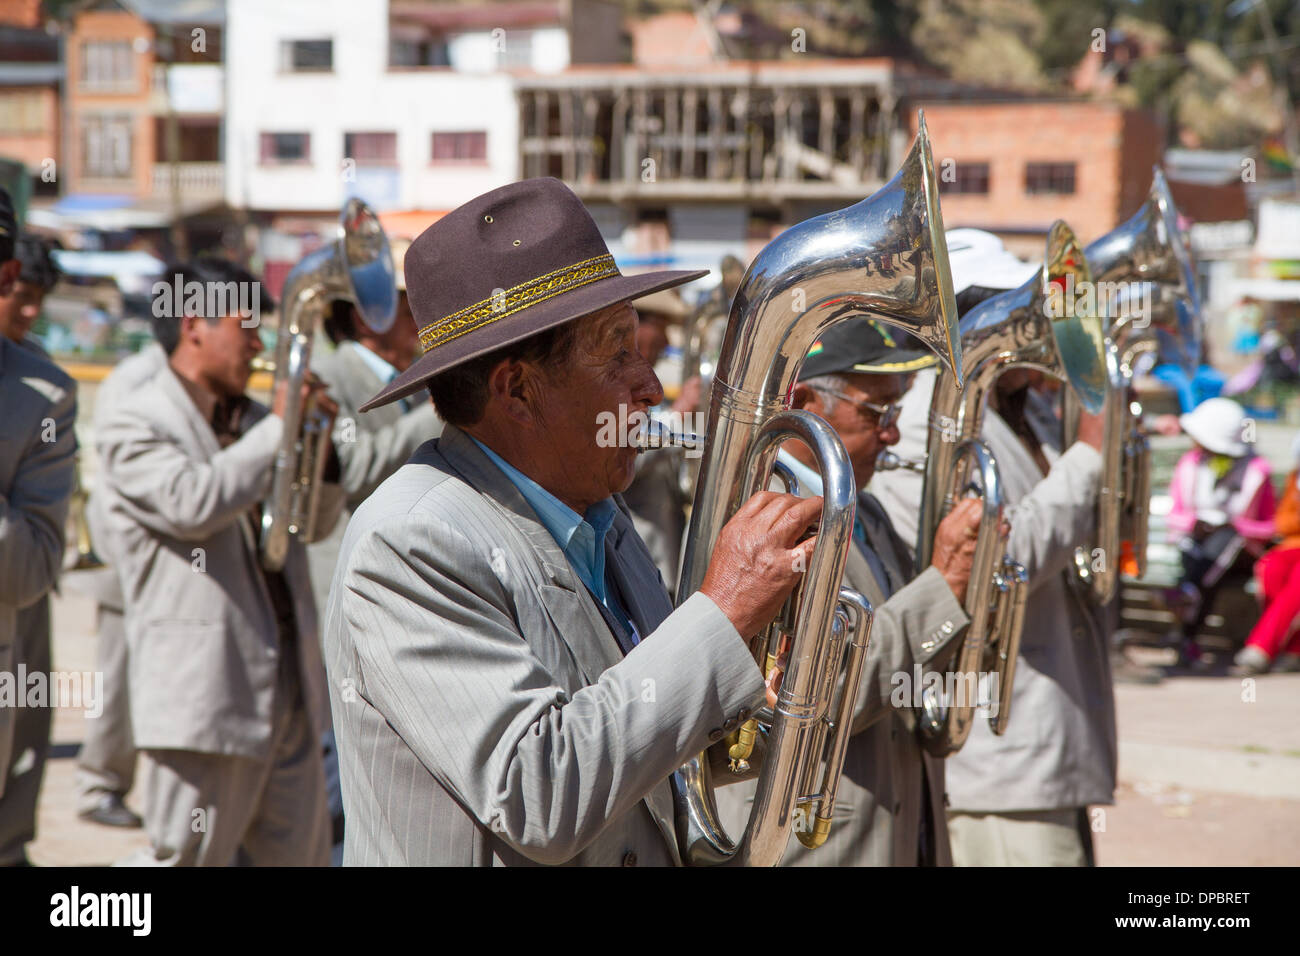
(1222, 514)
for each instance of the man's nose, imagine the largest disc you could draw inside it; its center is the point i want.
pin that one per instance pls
(890, 436)
(647, 387)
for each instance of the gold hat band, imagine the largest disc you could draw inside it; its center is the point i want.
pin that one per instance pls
(516, 299)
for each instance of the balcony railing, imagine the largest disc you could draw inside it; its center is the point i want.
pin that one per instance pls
(197, 181)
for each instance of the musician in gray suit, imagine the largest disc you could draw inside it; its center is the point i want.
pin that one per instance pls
(37, 466)
(509, 681)
(107, 759)
(227, 688)
(890, 806)
(1021, 798)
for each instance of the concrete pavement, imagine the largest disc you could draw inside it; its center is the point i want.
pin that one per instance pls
(1210, 769)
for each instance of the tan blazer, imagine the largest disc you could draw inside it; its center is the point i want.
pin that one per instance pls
(38, 450)
(200, 626)
(485, 714)
(370, 446)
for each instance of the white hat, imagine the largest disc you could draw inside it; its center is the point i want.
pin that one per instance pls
(980, 258)
(1216, 425)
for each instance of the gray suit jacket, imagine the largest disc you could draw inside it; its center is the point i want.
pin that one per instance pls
(201, 630)
(104, 584)
(38, 450)
(370, 447)
(484, 712)
(880, 804)
(1060, 749)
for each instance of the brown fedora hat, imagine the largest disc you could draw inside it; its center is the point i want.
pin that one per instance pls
(511, 263)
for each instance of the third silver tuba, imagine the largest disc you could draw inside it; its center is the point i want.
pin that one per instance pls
(1148, 248)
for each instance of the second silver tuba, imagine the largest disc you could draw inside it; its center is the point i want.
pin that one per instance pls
(357, 266)
(1034, 326)
(884, 257)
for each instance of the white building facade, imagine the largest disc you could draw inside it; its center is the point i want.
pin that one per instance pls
(315, 113)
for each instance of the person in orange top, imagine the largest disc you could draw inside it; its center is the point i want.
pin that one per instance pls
(1278, 573)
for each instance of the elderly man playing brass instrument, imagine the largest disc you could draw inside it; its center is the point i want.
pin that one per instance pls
(890, 806)
(509, 680)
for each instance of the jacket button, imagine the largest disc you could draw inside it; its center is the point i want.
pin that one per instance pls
(927, 645)
(729, 724)
(629, 858)
(715, 734)
(947, 627)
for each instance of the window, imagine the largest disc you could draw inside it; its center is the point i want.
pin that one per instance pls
(22, 113)
(306, 56)
(108, 65)
(965, 178)
(1049, 178)
(459, 147)
(514, 49)
(371, 149)
(106, 147)
(286, 148)
(417, 53)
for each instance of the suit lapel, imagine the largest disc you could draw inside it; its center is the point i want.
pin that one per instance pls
(578, 622)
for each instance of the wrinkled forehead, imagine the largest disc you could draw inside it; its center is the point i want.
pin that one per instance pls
(883, 388)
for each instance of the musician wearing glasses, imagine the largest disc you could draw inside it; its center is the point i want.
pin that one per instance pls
(509, 680)
(227, 688)
(890, 806)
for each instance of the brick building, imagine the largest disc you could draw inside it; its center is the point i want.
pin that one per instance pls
(30, 77)
(1014, 167)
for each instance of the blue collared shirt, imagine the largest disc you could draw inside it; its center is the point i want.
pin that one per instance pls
(580, 537)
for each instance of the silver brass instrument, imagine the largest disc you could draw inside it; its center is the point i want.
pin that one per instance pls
(1011, 330)
(357, 266)
(1148, 248)
(884, 257)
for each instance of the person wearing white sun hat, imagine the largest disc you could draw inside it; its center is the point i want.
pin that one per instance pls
(1222, 511)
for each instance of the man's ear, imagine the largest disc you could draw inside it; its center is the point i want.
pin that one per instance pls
(9, 275)
(514, 386)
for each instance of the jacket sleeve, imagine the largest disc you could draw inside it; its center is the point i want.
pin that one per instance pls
(1182, 517)
(34, 512)
(368, 457)
(1057, 516)
(174, 494)
(918, 625)
(1256, 521)
(1287, 519)
(442, 659)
